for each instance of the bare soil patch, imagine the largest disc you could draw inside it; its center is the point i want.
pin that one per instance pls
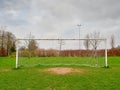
(63, 71)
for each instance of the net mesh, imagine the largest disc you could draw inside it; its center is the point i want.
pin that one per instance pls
(32, 52)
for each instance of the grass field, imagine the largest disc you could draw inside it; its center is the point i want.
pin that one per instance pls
(33, 78)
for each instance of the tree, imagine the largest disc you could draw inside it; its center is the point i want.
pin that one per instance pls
(10, 42)
(7, 42)
(112, 41)
(31, 45)
(2, 41)
(95, 43)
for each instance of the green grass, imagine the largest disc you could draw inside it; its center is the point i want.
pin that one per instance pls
(32, 78)
(94, 62)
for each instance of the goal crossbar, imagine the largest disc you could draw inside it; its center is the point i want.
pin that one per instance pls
(65, 39)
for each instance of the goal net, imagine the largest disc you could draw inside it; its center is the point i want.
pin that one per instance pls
(61, 52)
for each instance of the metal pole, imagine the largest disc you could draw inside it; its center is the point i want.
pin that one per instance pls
(16, 54)
(106, 59)
(60, 42)
(45, 39)
(79, 25)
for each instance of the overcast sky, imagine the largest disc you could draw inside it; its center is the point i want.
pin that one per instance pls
(59, 18)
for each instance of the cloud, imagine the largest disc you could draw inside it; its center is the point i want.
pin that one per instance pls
(51, 18)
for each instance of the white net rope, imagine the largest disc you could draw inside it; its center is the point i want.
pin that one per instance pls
(34, 52)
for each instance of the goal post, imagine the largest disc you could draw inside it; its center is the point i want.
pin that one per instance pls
(23, 49)
(16, 53)
(106, 58)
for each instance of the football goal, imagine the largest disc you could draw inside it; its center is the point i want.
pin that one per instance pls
(61, 52)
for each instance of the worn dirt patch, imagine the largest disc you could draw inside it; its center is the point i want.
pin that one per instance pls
(5, 70)
(63, 71)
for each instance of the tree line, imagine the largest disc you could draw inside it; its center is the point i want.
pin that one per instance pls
(7, 42)
(31, 48)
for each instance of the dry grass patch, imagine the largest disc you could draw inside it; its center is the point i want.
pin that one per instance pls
(5, 70)
(63, 71)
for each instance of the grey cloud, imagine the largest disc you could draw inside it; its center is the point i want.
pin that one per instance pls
(97, 9)
(14, 4)
(62, 16)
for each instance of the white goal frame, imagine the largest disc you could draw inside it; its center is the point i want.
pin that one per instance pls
(100, 39)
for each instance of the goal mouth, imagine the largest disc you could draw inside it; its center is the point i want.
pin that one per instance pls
(61, 52)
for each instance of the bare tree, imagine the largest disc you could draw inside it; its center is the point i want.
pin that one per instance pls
(95, 43)
(112, 41)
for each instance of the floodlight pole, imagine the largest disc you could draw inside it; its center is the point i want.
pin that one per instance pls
(79, 25)
(60, 42)
(16, 54)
